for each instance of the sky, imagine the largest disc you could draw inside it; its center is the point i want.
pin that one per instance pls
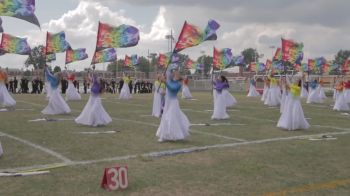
(322, 25)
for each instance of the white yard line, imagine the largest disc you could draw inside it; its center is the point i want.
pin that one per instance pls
(46, 150)
(182, 150)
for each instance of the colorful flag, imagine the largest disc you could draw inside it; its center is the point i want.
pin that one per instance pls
(22, 9)
(127, 61)
(200, 66)
(326, 68)
(320, 61)
(304, 67)
(239, 60)
(222, 58)
(163, 60)
(76, 55)
(291, 51)
(268, 64)
(15, 45)
(277, 66)
(278, 55)
(311, 64)
(257, 67)
(107, 55)
(56, 43)
(189, 64)
(135, 60)
(192, 35)
(122, 36)
(346, 66)
(50, 57)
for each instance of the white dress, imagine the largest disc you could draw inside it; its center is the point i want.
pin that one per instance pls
(57, 104)
(230, 100)
(5, 97)
(304, 93)
(340, 103)
(186, 94)
(93, 113)
(314, 96)
(174, 124)
(292, 117)
(322, 94)
(252, 91)
(125, 92)
(72, 93)
(283, 100)
(273, 97)
(220, 106)
(157, 100)
(265, 92)
(347, 95)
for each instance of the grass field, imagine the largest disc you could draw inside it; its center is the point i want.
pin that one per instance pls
(245, 155)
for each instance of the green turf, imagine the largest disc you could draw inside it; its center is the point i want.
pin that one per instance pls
(252, 169)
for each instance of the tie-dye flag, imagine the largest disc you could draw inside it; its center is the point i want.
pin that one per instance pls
(320, 61)
(291, 51)
(56, 43)
(189, 64)
(135, 60)
(163, 60)
(239, 60)
(50, 57)
(326, 68)
(257, 67)
(107, 55)
(346, 66)
(222, 58)
(122, 36)
(278, 55)
(76, 55)
(22, 9)
(311, 64)
(15, 45)
(127, 61)
(200, 66)
(192, 35)
(268, 64)
(304, 67)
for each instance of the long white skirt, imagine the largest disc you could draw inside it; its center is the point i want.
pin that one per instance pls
(314, 96)
(303, 92)
(93, 113)
(157, 104)
(56, 105)
(335, 94)
(265, 92)
(186, 94)
(340, 103)
(347, 95)
(220, 106)
(125, 92)
(5, 97)
(283, 101)
(72, 93)
(174, 124)
(273, 97)
(47, 89)
(230, 100)
(322, 94)
(293, 117)
(252, 91)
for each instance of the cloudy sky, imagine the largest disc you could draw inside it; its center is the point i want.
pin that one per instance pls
(322, 25)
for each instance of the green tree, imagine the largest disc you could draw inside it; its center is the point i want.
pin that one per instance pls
(207, 61)
(36, 58)
(250, 55)
(341, 57)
